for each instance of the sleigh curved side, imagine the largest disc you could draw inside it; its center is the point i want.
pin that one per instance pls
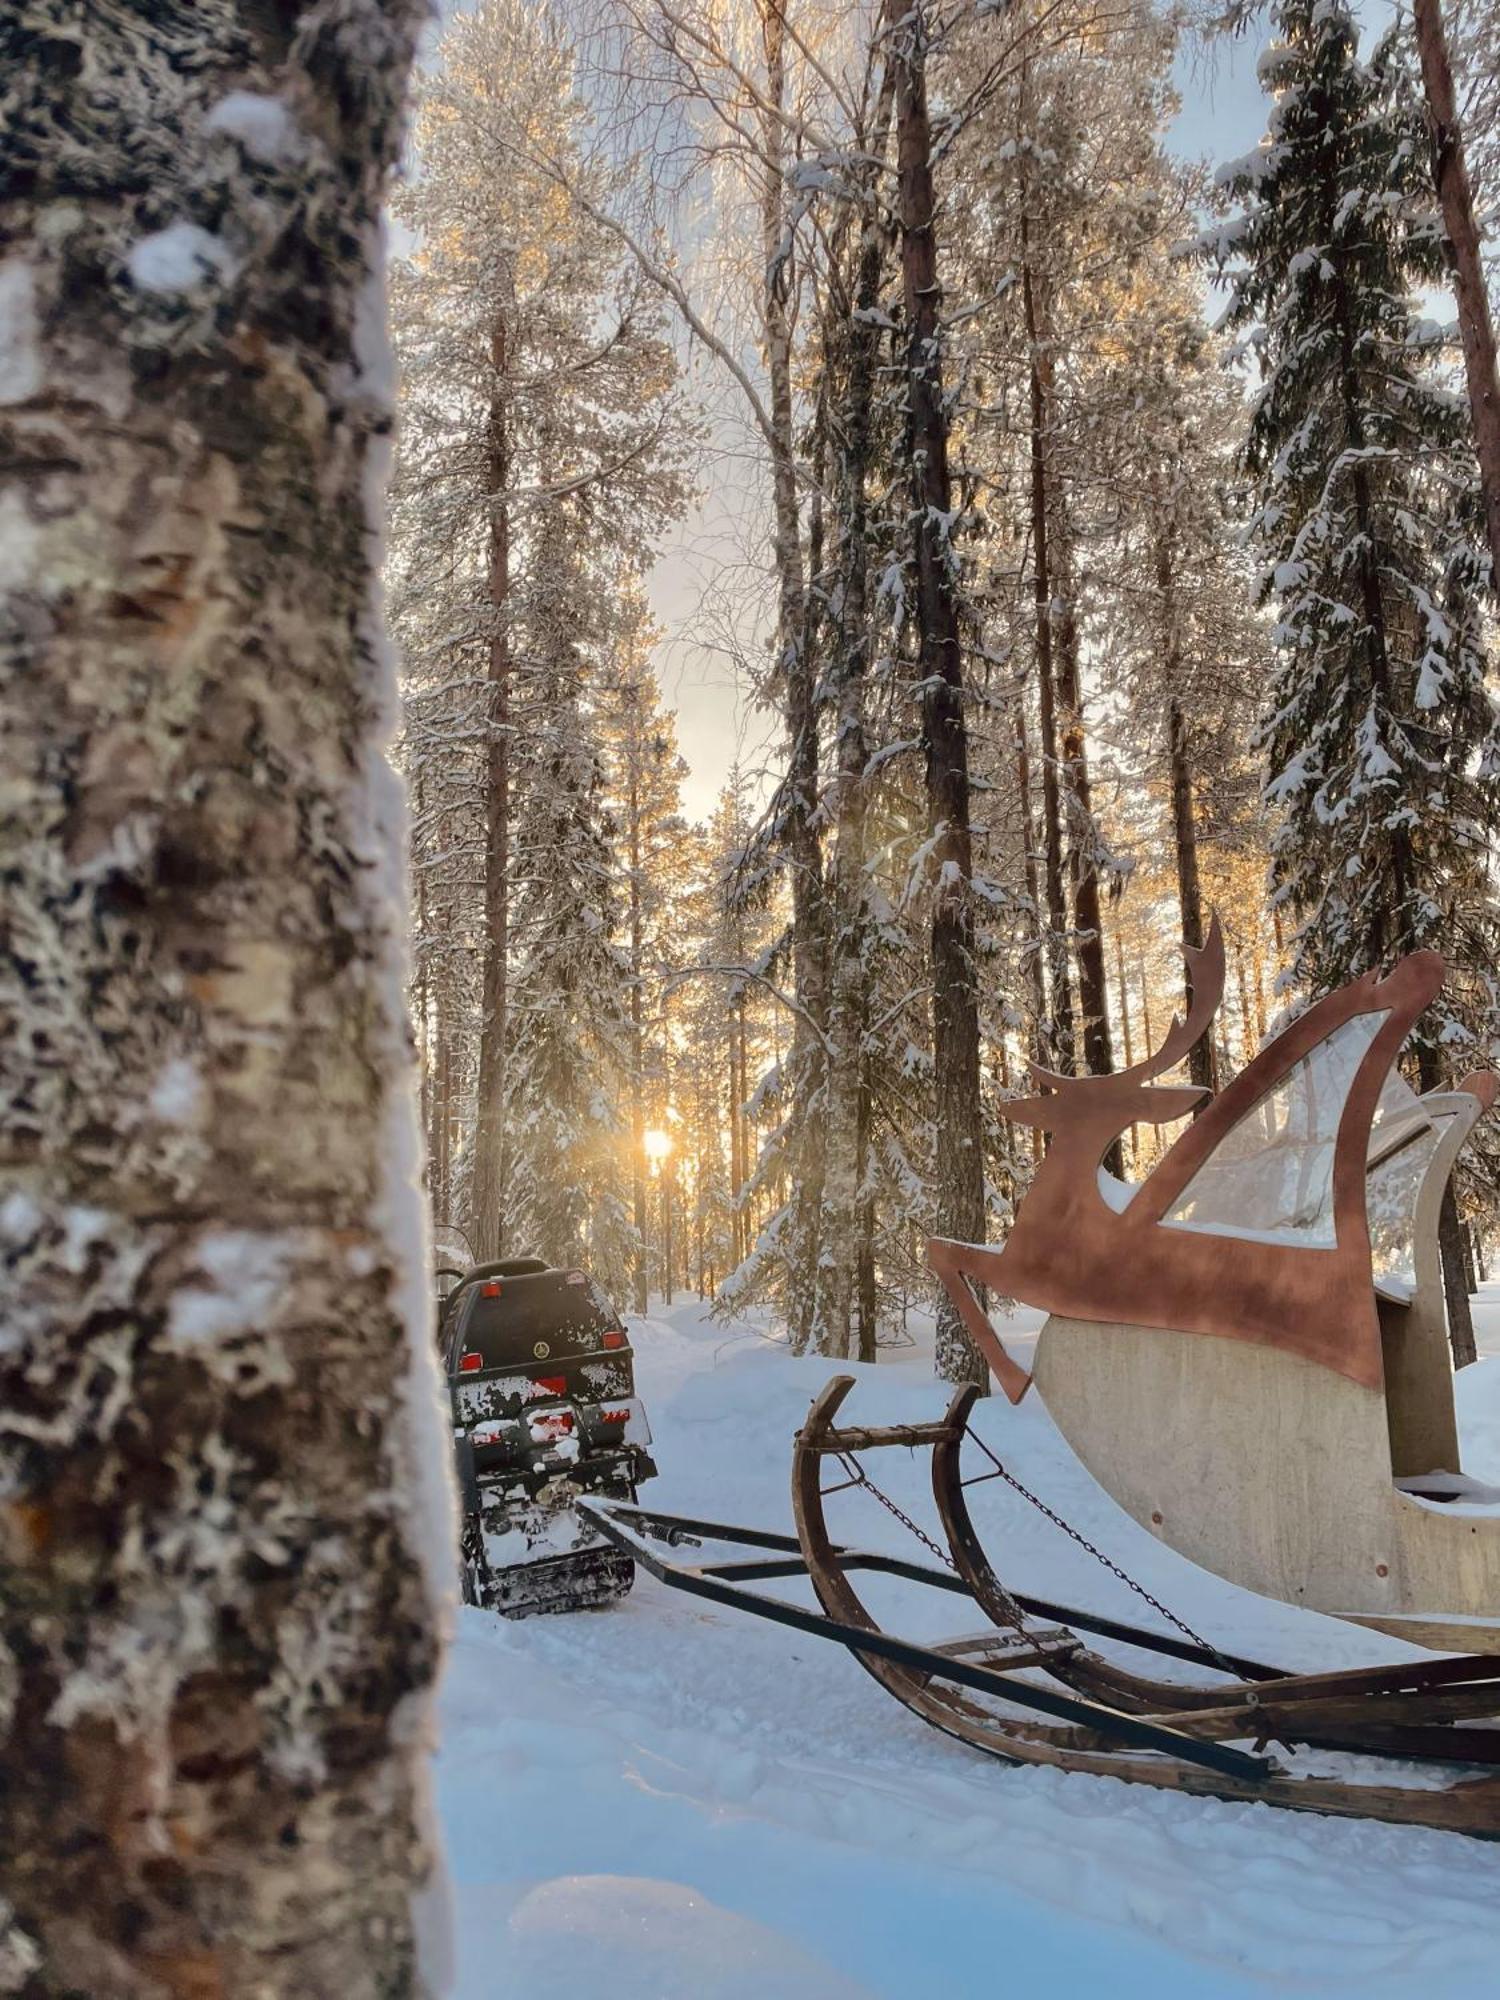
(1308, 1447)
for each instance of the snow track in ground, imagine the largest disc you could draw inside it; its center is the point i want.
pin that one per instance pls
(675, 1800)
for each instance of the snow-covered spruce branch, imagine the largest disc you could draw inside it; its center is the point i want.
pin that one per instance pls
(672, 980)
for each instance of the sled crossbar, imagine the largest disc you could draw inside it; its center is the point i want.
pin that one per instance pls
(633, 1529)
(672, 1528)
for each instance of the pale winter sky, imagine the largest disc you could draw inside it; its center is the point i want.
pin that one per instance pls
(1222, 116)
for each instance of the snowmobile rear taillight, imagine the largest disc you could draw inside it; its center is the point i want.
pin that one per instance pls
(614, 1416)
(490, 1290)
(470, 1364)
(555, 1385)
(615, 1337)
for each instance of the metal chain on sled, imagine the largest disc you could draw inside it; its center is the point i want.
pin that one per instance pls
(1090, 1548)
(857, 1476)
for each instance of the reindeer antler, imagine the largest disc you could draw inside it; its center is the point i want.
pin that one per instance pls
(1205, 967)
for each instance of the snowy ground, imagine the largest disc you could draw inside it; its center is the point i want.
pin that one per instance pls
(682, 1803)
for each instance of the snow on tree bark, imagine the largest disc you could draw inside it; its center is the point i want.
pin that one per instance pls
(958, 1120)
(799, 817)
(225, 1528)
(846, 1281)
(486, 1216)
(1476, 329)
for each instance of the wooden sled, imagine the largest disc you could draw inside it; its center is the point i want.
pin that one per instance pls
(1028, 1689)
(1249, 1349)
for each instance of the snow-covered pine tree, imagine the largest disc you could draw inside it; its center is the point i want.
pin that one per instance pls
(568, 1063)
(1379, 732)
(538, 409)
(1189, 650)
(1062, 218)
(644, 776)
(224, 1536)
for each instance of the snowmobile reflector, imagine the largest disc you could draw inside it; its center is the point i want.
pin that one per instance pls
(470, 1363)
(619, 1422)
(490, 1290)
(615, 1337)
(549, 1424)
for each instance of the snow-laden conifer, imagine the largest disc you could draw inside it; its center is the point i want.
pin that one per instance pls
(1378, 729)
(540, 454)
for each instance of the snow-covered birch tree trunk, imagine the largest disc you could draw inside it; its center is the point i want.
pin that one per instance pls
(224, 1531)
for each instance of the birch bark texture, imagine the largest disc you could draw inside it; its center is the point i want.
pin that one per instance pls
(224, 1518)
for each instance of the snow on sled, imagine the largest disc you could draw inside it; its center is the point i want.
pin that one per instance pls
(1249, 1349)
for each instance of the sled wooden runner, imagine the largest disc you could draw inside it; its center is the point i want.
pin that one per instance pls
(1029, 1690)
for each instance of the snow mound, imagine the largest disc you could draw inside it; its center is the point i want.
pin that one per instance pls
(584, 1930)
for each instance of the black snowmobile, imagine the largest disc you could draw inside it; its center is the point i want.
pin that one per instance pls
(542, 1378)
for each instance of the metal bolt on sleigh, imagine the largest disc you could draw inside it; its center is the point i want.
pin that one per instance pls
(1249, 1351)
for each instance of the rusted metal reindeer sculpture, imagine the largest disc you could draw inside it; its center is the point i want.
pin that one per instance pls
(1270, 1451)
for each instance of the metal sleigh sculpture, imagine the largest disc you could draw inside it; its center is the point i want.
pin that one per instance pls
(1307, 1448)
(1249, 1351)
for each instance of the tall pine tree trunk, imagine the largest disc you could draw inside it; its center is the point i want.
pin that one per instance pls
(736, 1154)
(1036, 950)
(1189, 881)
(224, 1523)
(1067, 754)
(1180, 773)
(1083, 843)
(847, 1211)
(958, 1113)
(799, 810)
(747, 1149)
(487, 1180)
(639, 1193)
(440, 1138)
(1061, 1051)
(1475, 327)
